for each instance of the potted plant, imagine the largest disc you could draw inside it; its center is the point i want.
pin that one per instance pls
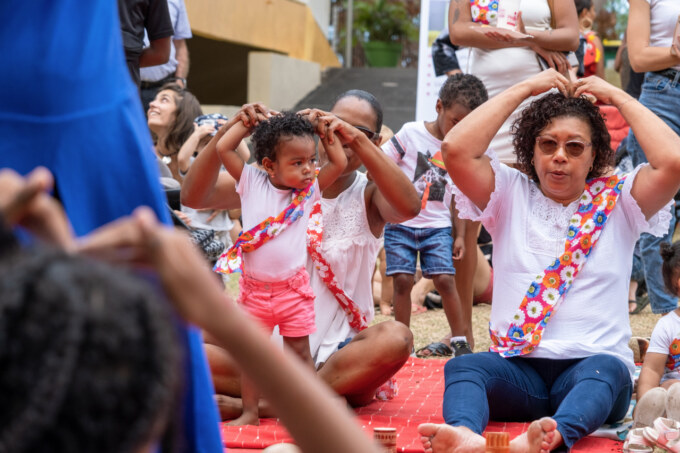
(382, 26)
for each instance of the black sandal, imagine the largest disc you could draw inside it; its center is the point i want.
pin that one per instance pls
(436, 349)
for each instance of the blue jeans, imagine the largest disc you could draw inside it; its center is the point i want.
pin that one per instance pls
(579, 394)
(404, 244)
(661, 95)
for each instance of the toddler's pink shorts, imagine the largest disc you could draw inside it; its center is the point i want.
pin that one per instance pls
(288, 303)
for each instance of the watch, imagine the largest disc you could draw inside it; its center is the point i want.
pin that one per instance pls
(183, 80)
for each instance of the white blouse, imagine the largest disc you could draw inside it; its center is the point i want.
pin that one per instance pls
(351, 249)
(529, 232)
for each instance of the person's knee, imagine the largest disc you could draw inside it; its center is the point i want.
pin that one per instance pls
(470, 367)
(403, 283)
(445, 284)
(394, 339)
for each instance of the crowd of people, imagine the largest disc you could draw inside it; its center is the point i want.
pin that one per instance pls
(136, 345)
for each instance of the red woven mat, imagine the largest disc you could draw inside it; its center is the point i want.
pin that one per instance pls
(419, 400)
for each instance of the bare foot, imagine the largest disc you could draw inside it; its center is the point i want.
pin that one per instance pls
(450, 439)
(541, 437)
(246, 418)
(228, 406)
(385, 308)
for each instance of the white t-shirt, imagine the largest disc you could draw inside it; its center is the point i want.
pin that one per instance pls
(663, 16)
(666, 330)
(351, 249)
(283, 255)
(529, 232)
(418, 154)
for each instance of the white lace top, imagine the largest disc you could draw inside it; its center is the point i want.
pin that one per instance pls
(529, 232)
(351, 249)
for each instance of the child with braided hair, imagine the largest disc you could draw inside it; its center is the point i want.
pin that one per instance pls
(276, 201)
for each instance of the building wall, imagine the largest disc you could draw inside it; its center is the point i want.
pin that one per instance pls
(284, 26)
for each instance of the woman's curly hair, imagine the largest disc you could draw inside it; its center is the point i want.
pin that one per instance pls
(89, 356)
(268, 134)
(541, 112)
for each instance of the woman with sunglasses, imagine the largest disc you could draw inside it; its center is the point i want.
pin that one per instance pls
(563, 235)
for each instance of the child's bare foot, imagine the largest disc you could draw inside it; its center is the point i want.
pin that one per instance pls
(541, 437)
(450, 439)
(246, 418)
(385, 308)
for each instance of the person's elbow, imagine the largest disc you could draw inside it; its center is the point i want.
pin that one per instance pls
(157, 53)
(635, 61)
(450, 152)
(190, 198)
(456, 34)
(411, 206)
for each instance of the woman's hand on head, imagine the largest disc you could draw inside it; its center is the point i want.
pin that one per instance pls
(330, 126)
(252, 114)
(203, 130)
(313, 115)
(600, 89)
(547, 80)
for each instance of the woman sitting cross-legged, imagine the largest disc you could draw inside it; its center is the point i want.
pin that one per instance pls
(563, 236)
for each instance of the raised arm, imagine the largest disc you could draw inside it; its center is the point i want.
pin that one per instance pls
(464, 146)
(643, 57)
(204, 186)
(226, 149)
(337, 160)
(392, 197)
(189, 147)
(315, 418)
(655, 184)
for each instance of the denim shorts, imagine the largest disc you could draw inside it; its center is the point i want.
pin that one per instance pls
(402, 245)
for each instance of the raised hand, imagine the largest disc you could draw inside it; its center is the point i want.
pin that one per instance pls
(598, 87)
(547, 80)
(24, 201)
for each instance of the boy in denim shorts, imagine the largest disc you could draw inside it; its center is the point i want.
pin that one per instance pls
(416, 148)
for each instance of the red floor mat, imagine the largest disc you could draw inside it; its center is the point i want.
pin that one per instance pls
(421, 385)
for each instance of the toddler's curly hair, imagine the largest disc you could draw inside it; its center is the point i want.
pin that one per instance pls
(268, 134)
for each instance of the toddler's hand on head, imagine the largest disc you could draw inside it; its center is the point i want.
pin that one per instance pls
(313, 115)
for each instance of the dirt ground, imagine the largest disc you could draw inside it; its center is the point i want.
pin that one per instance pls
(432, 326)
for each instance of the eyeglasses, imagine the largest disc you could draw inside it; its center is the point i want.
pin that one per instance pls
(367, 132)
(573, 148)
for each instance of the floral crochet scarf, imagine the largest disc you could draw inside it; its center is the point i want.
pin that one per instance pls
(550, 287)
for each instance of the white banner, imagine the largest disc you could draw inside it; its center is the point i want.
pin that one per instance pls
(433, 19)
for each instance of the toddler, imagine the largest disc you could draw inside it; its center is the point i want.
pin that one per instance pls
(658, 388)
(276, 201)
(416, 148)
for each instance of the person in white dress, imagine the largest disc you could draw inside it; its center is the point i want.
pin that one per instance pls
(504, 58)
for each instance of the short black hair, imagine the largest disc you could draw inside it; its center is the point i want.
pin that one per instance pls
(670, 269)
(368, 97)
(464, 89)
(269, 133)
(536, 117)
(88, 354)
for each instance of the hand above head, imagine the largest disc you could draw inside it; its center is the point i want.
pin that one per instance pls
(252, 114)
(313, 115)
(203, 130)
(24, 201)
(545, 81)
(328, 126)
(602, 90)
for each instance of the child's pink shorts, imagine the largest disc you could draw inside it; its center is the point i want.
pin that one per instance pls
(288, 303)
